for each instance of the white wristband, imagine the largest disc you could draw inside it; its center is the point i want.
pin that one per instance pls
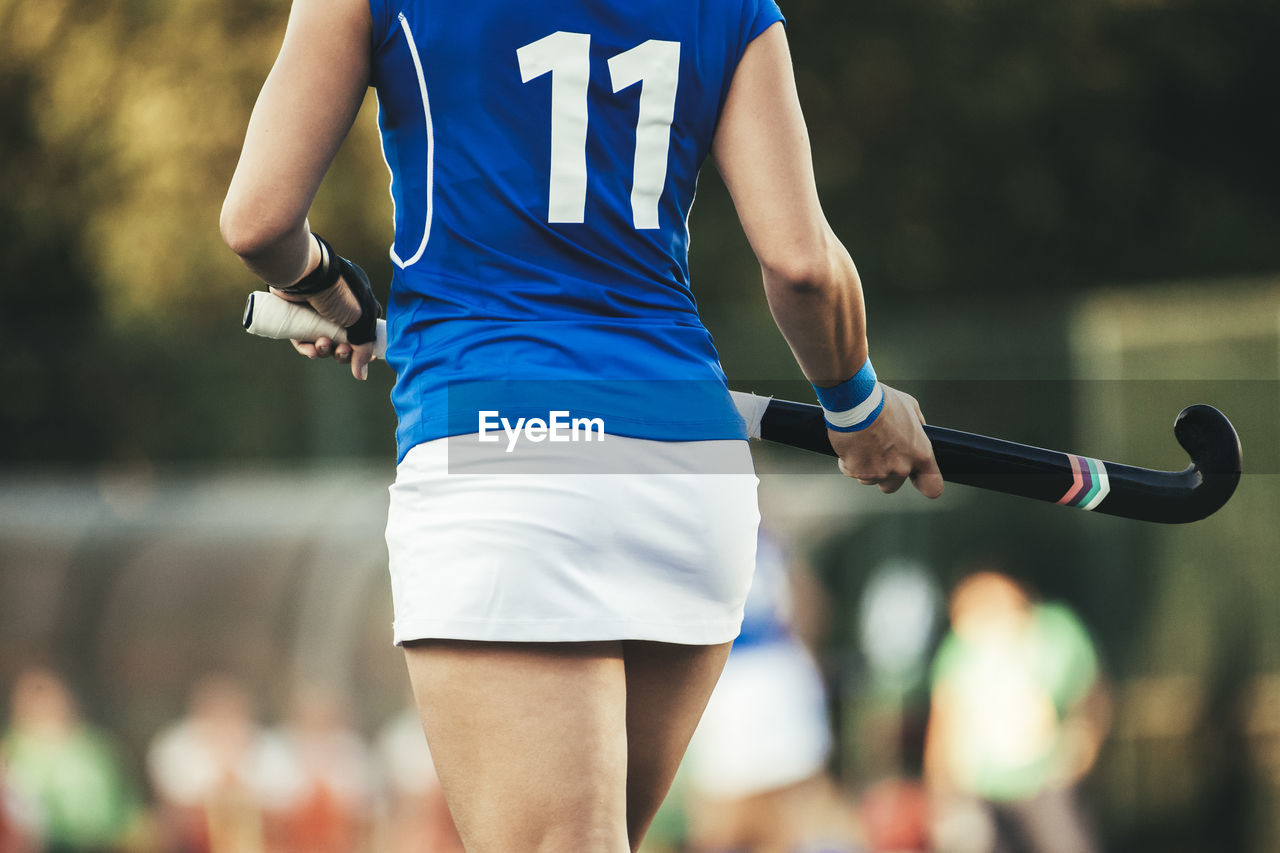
(860, 415)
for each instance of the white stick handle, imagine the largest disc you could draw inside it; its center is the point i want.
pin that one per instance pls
(269, 316)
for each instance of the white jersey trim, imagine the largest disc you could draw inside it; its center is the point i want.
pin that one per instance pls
(431, 150)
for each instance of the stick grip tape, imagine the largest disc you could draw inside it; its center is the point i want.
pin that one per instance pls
(269, 316)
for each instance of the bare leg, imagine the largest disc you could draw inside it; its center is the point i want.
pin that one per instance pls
(668, 687)
(529, 740)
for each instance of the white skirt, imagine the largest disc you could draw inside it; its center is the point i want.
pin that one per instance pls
(484, 546)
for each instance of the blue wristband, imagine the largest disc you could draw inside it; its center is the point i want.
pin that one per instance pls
(854, 404)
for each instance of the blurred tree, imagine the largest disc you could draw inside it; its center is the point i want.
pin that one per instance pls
(47, 302)
(123, 125)
(973, 145)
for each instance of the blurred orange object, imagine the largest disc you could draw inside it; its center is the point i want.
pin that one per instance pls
(895, 816)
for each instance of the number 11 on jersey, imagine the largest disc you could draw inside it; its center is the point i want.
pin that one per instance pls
(655, 65)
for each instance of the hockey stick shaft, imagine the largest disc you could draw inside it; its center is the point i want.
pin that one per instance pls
(1171, 497)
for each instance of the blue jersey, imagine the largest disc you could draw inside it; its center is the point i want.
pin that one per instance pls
(544, 157)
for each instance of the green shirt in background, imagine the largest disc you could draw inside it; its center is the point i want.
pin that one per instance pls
(74, 785)
(1009, 695)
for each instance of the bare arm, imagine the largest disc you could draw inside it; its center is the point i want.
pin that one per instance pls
(305, 109)
(762, 150)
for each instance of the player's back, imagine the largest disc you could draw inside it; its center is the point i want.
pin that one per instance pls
(544, 160)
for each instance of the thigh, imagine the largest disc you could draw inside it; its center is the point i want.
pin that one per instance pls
(529, 741)
(668, 687)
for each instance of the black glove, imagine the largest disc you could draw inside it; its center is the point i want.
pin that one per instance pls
(333, 266)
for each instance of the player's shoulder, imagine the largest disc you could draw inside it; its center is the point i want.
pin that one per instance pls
(1057, 618)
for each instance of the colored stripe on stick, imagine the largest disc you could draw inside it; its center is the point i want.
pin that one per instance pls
(1090, 484)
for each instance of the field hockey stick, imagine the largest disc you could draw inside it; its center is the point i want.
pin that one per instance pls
(1171, 497)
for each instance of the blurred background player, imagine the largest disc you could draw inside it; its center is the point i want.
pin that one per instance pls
(328, 783)
(755, 778)
(416, 818)
(215, 772)
(1016, 720)
(63, 786)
